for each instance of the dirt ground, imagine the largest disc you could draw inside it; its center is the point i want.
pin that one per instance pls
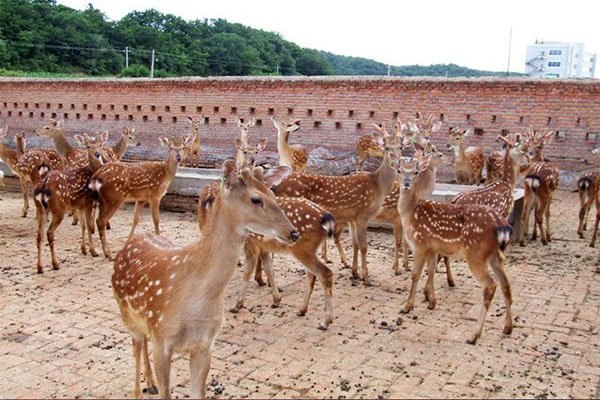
(61, 334)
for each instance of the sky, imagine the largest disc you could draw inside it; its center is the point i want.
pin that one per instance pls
(474, 34)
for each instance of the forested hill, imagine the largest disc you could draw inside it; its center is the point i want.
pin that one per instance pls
(42, 36)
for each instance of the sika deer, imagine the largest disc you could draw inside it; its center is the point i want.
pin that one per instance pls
(141, 182)
(422, 129)
(127, 139)
(174, 296)
(314, 225)
(193, 148)
(439, 228)
(468, 163)
(367, 147)
(294, 156)
(11, 157)
(73, 157)
(244, 126)
(541, 180)
(350, 199)
(67, 190)
(587, 186)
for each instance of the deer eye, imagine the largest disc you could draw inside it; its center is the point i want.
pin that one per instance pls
(256, 200)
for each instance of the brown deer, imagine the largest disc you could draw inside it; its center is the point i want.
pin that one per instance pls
(468, 162)
(352, 199)
(541, 180)
(11, 157)
(422, 129)
(314, 225)
(431, 228)
(61, 191)
(73, 157)
(244, 127)
(141, 182)
(587, 187)
(294, 156)
(127, 139)
(193, 148)
(367, 147)
(174, 295)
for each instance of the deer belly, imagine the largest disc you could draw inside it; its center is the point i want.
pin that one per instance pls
(196, 334)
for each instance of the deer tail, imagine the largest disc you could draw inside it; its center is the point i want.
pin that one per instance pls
(328, 224)
(42, 194)
(503, 233)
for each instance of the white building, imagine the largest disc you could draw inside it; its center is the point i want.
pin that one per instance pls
(559, 60)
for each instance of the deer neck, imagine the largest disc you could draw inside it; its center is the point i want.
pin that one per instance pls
(7, 155)
(538, 155)
(121, 147)
(20, 143)
(283, 147)
(407, 203)
(385, 175)
(426, 185)
(61, 143)
(244, 136)
(509, 175)
(93, 162)
(459, 151)
(171, 164)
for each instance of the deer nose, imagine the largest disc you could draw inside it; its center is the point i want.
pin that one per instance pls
(406, 184)
(178, 157)
(138, 144)
(97, 154)
(252, 159)
(294, 235)
(448, 146)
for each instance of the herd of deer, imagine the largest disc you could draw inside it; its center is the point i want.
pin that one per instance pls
(174, 296)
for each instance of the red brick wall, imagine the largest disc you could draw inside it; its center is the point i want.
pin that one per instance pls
(342, 107)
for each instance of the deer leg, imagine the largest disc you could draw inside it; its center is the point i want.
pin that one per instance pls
(155, 209)
(25, 189)
(496, 263)
(527, 206)
(354, 250)
(148, 377)
(337, 238)
(361, 234)
(429, 285)
(583, 212)
(419, 258)
(547, 214)
(595, 231)
(56, 220)
(359, 162)
(199, 366)
(79, 213)
(162, 366)
(88, 214)
(106, 212)
(267, 262)
(251, 258)
(449, 276)
(75, 219)
(397, 223)
(139, 206)
(41, 220)
(137, 354)
(317, 269)
(324, 252)
(479, 271)
(540, 211)
(258, 275)
(536, 214)
(310, 284)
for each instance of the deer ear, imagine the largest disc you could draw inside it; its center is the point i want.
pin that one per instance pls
(79, 139)
(274, 176)
(59, 123)
(503, 140)
(259, 174)
(394, 160)
(104, 137)
(378, 138)
(190, 119)
(436, 127)
(252, 122)
(239, 123)
(164, 142)
(531, 132)
(275, 122)
(293, 128)
(468, 132)
(188, 140)
(229, 174)
(423, 164)
(413, 127)
(261, 145)
(418, 147)
(132, 130)
(239, 144)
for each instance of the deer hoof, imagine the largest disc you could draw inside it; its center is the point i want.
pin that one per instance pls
(522, 243)
(355, 275)
(84, 251)
(407, 308)
(301, 313)
(40, 270)
(431, 305)
(592, 245)
(151, 390)
(473, 339)
(275, 303)
(56, 266)
(451, 283)
(93, 253)
(322, 326)
(234, 310)
(508, 330)
(260, 282)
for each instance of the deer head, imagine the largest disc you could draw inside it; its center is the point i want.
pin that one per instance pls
(176, 145)
(4, 131)
(129, 137)
(244, 126)
(51, 130)
(408, 169)
(196, 122)
(250, 152)
(538, 140)
(457, 136)
(94, 143)
(424, 128)
(285, 128)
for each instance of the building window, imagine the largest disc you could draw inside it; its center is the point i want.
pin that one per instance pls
(555, 52)
(554, 63)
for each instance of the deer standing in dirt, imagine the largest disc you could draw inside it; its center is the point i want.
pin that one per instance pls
(141, 182)
(352, 199)
(193, 148)
(541, 180)
(73, 157)
(468, 162)
(432, 228)
(61, 191)
(174, 295)
(127, 139)
(10, 158)
(294, 156)
(587, 187)
(244, 127)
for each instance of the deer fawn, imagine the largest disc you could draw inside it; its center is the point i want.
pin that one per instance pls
(587, 187)
(439, 228)
(74, 157)
(294, 156)
(244, 126)
(67, 190)
(352, 199)
(468, 163)
(141, 182)
(193, 148)
(541, 180)
(127, 139)
(174, 295)
(314, 225)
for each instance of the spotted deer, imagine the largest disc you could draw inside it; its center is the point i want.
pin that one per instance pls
(174, 295)
(352, 199)
(294, 156)
(367, 147)
(73, 157)
(140, 182)
(61, 191)
(468, 161)
(244, 127)
(193, 148)
(541, 180)
(431, 228)
(11, 157)
(422, 129)
(314, 225)
(587, 187)
(127, 139)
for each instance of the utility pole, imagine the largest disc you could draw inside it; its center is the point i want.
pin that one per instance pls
(126, 56)
(509, 47)
(277, 69)
(152, 65)
(389, 69)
